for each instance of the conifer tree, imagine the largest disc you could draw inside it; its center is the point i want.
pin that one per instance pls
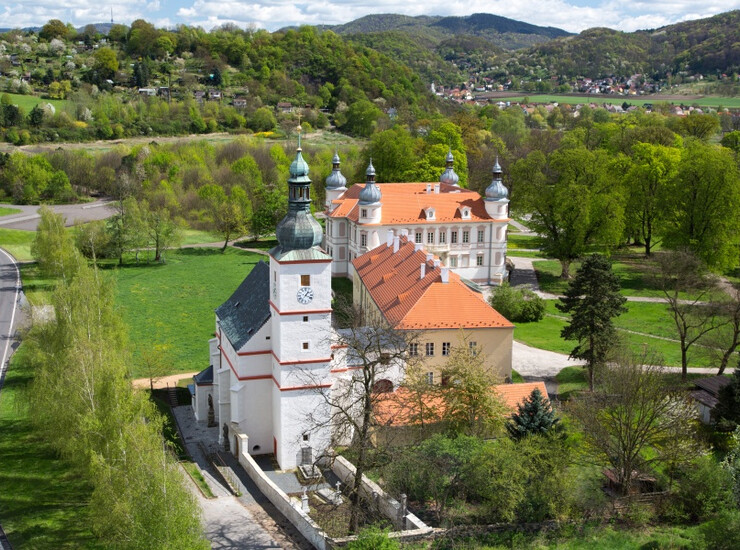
(534, 416)
(592, 299)
(727, 410)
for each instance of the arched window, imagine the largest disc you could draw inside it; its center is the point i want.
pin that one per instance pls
(383, 386)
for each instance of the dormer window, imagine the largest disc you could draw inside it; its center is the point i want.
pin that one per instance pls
(465, 212)
(430, 213)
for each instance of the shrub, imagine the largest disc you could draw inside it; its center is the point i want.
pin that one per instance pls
(373, 538)
(519, 305)
(723, 533)
(703, 490)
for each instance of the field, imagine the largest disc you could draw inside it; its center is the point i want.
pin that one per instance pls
(28, 102)
(7, 211)
(708, 101)
(42, 501)
(17, 242)
(170, 307)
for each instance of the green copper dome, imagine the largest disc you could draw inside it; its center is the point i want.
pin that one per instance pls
(298, 230)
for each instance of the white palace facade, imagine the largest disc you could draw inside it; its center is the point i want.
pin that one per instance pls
(466, 231)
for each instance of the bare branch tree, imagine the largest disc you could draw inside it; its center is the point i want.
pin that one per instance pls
(634, 419)
(371, 357)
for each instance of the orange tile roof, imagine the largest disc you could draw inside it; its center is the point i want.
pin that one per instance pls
(398, 409)
(406, 202)
(407, 301)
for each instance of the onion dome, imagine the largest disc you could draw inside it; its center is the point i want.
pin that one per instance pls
(449, 176)
(371, 192)
(298, 230)
(336, 179)
(497, 190)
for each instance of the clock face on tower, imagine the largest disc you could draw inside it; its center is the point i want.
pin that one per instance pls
(305, 294)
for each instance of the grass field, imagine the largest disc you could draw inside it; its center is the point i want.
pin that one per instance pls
(42, 501)
(18, 243)
(170, 307)
(648, 318)
(709, 101)
(7, 211)
(28, 102)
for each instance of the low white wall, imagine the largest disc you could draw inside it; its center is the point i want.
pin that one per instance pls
(279, 499)
(388, 506)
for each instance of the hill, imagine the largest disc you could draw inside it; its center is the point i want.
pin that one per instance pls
(704, 46)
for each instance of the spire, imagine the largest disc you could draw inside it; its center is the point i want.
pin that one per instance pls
(371, 193)
(449, 176)
(298, 229)
(336, 179)
(497, 190)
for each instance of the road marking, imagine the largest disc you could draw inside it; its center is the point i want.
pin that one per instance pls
(3, 366)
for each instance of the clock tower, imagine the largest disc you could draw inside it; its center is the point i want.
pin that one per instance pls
(300, 307)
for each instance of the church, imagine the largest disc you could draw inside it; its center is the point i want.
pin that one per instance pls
(272, 360)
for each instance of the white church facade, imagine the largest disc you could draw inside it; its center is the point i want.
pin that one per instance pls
(467, 232)
(273, 359)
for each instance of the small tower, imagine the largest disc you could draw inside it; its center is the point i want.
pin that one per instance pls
(300, 303)
(336, 183)
(449, 176)
(497, 195)
(370, 208)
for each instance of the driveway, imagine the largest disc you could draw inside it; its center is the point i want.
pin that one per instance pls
(28, 218)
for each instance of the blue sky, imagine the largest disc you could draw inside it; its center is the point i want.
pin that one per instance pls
(571, 15)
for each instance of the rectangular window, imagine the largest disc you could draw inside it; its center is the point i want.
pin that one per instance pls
(305, 318)
(305, 280)
(304, 345)
(430, 348)
(417, 237)
(480, 235)
(479, 260)
(453, 237)
(430, 237)
(445, 348)
(413, 350)
(363, 212)
(453, 261)
(473, 347)
(442, 237)
(430, 378)
(363, 239)
(466, 237)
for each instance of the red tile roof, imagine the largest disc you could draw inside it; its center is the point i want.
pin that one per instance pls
(400, 409)
(406, 202)
(408, 301)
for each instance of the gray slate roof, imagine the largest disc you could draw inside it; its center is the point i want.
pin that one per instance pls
(248, 309)
(204, 377)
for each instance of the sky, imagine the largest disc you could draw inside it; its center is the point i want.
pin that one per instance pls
(571, 15)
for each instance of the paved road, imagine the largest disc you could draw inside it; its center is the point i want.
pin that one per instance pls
(10, 295)
(28, 218)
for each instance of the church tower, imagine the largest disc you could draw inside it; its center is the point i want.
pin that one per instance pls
(300, 305)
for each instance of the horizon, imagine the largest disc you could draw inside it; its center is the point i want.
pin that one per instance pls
(573, 15)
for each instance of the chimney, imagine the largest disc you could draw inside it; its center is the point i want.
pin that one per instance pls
(436, 262)
(404, 232)
(417, 247)
(429, 188)
(436, 188)
(389, 240)
(396, 243)
(423, 271)
(445, 275)
(429, 257)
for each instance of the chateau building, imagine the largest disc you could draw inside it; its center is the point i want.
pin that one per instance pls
(467, 232)
(273, 360)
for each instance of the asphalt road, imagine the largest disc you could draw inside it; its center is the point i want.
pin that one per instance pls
(10, 295)
(28, 218)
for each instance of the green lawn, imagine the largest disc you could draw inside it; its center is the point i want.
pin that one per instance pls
(170, 307)
(7, 211)
(517, 241)
(18, 243)
(708, 101)
(28, 102)
(42, 501)
(648, 318)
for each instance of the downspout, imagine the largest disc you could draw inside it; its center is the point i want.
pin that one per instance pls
(490, 253)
